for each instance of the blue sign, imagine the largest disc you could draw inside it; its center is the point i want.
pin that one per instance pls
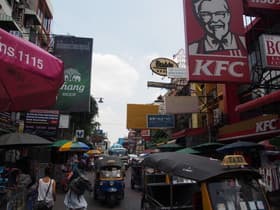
(161, 121)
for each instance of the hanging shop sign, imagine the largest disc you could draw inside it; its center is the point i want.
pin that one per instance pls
(159, 66)
(215, 41)
(176, 73)
(270, 51)
(264, 4)
(76, 53)
(181, 104)
(161, 121)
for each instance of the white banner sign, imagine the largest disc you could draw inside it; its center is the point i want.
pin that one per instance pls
(176, 73)
(64, 121)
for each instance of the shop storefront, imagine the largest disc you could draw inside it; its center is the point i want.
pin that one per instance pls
(191, 136)
(256, 129)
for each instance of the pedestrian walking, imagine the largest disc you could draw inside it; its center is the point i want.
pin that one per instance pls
(74, 198)
(46, 191)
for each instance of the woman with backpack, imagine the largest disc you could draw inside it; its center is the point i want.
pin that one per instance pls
(74, 198)
(46, 191)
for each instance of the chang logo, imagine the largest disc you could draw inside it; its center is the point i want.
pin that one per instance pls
(72, 75)
(72, 80)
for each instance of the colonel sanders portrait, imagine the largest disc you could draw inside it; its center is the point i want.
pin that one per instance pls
(214, 17)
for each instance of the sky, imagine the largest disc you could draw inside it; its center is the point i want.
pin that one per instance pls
(127, 36)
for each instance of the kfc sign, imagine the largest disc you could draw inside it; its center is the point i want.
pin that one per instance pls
(264, 4)
(266, 125)
(215, 42)
(270, 51)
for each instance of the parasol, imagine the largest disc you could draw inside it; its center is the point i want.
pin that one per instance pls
(30, 76)
(59, 143)
(188, 150)
(22, 139)
(93, 152)
(208, 148)
(169, 147)
(239, 145)
(77, 146)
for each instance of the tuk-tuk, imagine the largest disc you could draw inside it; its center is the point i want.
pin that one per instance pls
(195, 182)
(109, 180)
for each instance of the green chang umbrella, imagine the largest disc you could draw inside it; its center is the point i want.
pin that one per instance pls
(188, 150)
(74, 146)
(59, 143)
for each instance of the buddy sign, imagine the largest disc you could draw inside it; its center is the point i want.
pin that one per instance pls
(215, 42)
(160, 65)
(270, 51)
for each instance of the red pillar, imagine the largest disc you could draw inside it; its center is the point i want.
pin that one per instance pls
(231, 100)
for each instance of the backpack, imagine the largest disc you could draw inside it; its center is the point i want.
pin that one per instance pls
(80, 184)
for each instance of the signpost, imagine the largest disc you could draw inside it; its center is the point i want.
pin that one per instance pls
(80, 134)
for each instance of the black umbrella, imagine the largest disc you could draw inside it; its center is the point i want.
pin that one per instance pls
(22, 139)
(239, 145)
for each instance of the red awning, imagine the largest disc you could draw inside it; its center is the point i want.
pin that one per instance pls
(267, 99)
(30, 76)
(189, 132)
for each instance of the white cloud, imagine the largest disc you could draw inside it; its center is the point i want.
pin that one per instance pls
(121, 82)
(115, 80)
(111, 76)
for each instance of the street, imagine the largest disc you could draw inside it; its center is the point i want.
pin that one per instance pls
(131, 200)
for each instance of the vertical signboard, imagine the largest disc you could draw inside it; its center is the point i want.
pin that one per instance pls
(215, 42)
(76, 53)
(270, 51)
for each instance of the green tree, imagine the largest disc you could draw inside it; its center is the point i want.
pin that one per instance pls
(159, 136)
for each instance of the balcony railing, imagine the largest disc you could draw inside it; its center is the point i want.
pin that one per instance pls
(8, 23)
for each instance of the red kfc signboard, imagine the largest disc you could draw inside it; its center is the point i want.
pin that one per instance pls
(270, 51)
(264, 4)
(215, 42)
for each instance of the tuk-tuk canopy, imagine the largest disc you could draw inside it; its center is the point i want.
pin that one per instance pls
(195, 167)
(109, 161)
